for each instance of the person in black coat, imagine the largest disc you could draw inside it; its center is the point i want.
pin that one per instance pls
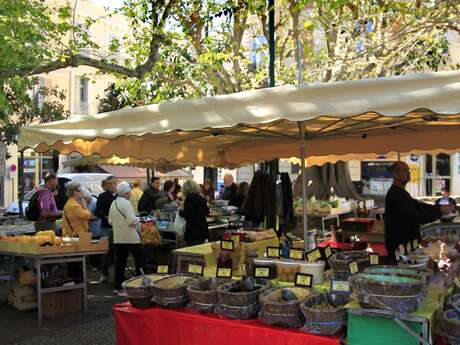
(148, 201)
(194, 212)
(403, 214)
(240, 196)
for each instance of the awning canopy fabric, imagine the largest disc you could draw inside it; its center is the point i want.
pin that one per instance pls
(372, 116)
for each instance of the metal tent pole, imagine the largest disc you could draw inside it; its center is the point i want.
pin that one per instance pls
(304, 183)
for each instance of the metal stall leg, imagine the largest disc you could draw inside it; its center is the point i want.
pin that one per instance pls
(39, 290)
(11, 272)
(304, 183)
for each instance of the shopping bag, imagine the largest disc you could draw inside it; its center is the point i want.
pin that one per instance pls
(179, 225)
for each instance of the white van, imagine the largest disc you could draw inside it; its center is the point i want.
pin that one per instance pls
(88, 180)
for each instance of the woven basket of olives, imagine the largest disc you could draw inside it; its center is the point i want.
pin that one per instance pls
(340, 263)
(171, 291)
(280, 306)
(138, 290)
(203, 294)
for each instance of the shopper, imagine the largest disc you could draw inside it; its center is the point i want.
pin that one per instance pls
(76, 216)
(91, 203)
(230, 188)
(240, 196)
(403, 214)
(147, 203)
(136, 194)
(194, 212)
(104, 201)
(445, 199)
(208, 190)
(125, 236)
(48, 212)
(168, 191)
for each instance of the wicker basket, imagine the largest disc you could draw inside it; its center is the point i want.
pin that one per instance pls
(278, 312)
(138, 292)
(400, 271)
(203, 294)
(450, 323)
(340, 263)
(322, 321)
(240, 305)
(172, 291)
(399, 304)
(387, 285)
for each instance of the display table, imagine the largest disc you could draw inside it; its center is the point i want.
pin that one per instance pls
(46, 259)
(157, 326)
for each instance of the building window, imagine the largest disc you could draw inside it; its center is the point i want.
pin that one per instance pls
(437, 173)
(81, 96)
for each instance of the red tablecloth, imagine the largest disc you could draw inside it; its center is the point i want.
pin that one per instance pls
(157, 326)
(376, 247)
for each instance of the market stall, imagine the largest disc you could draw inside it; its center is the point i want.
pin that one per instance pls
(419, 112)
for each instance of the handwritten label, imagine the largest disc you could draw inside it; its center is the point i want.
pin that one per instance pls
(305, 280)
(296, 254)
(162, 269)
(227, 245)
(340, 286)
(235, 239)
(195, 269)
(328, 252)
(314, 255)
(374, 259)
(224, 272)
(273, 252)
(262, 272)
(353, 267)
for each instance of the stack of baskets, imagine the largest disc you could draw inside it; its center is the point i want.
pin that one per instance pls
(203, 294)
(171, 291)
(395, 292)
(322, 316)
(236, 304)
(340, 263)
(277, 311)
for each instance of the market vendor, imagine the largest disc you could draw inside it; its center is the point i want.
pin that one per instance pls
(230, 187)
(446, 199)
(403, 214)
(147, 202)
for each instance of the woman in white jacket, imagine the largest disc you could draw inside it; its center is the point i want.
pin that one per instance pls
(126, 239)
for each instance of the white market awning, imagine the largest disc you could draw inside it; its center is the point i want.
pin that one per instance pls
(418, 112)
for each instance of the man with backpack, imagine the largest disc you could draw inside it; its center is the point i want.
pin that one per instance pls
(42, 207)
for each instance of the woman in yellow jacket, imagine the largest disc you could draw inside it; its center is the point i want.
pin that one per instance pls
(75, 217)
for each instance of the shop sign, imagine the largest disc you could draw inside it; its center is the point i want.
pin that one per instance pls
(413, 158)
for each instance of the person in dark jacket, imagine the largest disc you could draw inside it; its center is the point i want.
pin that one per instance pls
(208, 190)
(446, 199)
(104, 201)
(194, 212)
(403, 214)
(240, 196)
(148, 201)
(230, 188)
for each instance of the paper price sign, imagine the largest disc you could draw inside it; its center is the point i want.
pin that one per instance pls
(162, 269)
(328, 252)
(227, 245)
(340, 286)
(374, 259)
(224, 273)
(262, 272)
(314, 255)
(353, 267)
(273, 252)
(296, 254)
(305, 280)
(195, 269)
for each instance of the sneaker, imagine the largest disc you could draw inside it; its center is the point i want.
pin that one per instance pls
(119, 293)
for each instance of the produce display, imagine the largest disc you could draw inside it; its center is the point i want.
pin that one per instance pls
(138, 290)
(287, 270)
(340, 263)
(42, 238)
(203, 294)
(171, 291)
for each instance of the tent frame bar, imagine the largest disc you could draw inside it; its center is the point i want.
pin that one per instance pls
(301, 125)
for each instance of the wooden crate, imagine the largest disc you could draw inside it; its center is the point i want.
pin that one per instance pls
(101, 245)
(34, 248)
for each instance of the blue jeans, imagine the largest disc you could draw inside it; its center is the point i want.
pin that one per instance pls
(109, 257)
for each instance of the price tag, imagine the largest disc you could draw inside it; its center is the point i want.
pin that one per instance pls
(296, 254)
(224, 272)
(227, 245)
(353, 267)
(374, 259)
(195, 269)
(314, 255)
(262, 272)
(235, 238)
(273, 252)
(457, 282)
(162, 269)
(305, 280)
(340, 286)
(328, 252)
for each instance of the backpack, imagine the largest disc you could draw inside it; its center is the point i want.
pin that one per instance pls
(32, 212)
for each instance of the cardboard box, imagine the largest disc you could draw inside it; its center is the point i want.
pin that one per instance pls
(98, 246)
(23, 298)
(34, 248)
(62, 303)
